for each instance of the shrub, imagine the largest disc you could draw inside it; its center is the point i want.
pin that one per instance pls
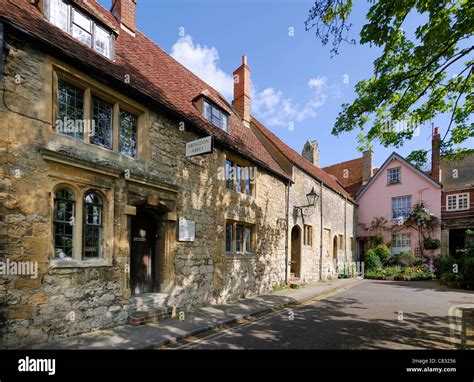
(372, 261)
(392, 271)
(451, 279)
(466, 269)
(376, 274)
(444, 264)
(383, 253)
(403, 259)
(377, 240)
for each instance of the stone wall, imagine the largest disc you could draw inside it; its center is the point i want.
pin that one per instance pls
(67, 300)
(338, 219)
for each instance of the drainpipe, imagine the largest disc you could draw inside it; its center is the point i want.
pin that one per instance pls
(345, 230)
(287, 228)
(321, 235)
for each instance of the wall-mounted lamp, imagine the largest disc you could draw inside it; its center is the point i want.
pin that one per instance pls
(312, 197)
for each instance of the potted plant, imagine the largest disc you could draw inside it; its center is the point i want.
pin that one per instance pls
(429, 243)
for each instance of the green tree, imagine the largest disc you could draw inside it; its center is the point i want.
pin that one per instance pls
(412, 80)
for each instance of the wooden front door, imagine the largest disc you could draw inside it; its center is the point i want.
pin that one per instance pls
(295, 251)
(143, 254)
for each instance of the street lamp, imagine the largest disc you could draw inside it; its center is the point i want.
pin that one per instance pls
(312, 197)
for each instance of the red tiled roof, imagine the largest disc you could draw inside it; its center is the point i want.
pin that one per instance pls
(151, 70)
(348, 173)
(301, 162)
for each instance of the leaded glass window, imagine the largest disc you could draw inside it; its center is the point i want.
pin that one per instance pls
(92, 225)
(102, 113)
(70, 115)
(64, 220)
(128, 134)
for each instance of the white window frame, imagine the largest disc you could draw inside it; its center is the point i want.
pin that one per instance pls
(457, 197)
(398, 199)
(215, 112)
(70, 21)
(394, 173)
(405, 245)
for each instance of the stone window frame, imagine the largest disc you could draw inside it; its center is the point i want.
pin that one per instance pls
(245, 165)
(253, 239)
(120, 104)
(464, 195)
(308, 235)
(78, 260)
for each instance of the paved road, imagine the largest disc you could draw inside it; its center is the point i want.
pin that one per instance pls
(371, 315)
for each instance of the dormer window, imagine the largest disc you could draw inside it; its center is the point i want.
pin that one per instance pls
(214, 115)
(80, 26)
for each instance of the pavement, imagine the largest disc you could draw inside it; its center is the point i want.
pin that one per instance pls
(169, 331)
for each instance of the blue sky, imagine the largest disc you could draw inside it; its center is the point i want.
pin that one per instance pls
(297, 88)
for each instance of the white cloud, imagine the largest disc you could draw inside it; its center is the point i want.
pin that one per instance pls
(202, 61)
(274, 109)
(269, 105)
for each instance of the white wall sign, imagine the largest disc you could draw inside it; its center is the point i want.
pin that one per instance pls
(187, 230)
(199, 146)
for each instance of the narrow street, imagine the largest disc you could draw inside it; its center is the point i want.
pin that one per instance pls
(370, 315)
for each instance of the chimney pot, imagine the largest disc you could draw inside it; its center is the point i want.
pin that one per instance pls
(242, 91)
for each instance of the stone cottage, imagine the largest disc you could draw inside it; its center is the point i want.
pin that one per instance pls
(321, 237)
(128, 184)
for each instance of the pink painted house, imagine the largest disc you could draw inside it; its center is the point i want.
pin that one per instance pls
(391, 193)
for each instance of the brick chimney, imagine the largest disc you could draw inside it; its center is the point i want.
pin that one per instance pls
(311, 152)
(366, 166)
(435, 154)
(125, 11)
(242, 91)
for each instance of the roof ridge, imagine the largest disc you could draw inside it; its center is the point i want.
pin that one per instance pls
(343, 162)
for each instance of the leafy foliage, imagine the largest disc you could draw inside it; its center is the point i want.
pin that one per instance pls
(412, 81)
(372, 261)
(383, 253)
(425, 223)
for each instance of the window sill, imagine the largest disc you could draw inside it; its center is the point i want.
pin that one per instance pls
(239, 256)
(393, 184)
(72, 263)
